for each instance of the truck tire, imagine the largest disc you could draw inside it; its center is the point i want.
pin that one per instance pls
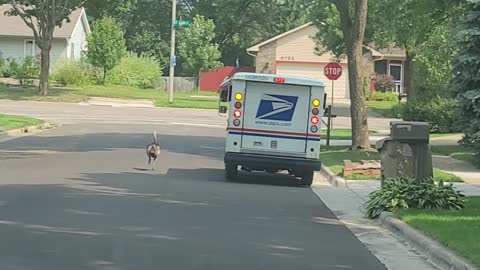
(230, 170)
(307, 178)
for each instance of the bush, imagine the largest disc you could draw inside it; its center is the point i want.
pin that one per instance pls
(71, 72)
(384, 83)
(137, 71)
(440, 112)
(384, 96)
(408, 193)
(27, 71)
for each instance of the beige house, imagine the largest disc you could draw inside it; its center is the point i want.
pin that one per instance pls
(293, 53)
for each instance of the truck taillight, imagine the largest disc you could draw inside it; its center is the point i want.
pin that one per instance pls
(279, 79)
(316, 102)
(237, 114)
(238, 105)
(236, 122)
(238, 96)
(315, 111)
(314, 120)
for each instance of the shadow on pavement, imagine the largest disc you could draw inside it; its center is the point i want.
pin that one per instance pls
(195, 145)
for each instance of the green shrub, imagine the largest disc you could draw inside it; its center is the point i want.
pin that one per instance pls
(27, 71)
(440, 112)
(384, 83)
(408, 193)
(73, 72)
(10, 69)
(383, 96)
(137, 71)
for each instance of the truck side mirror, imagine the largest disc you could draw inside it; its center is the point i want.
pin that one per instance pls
(222, 109)
(224, 95)
(324, 101)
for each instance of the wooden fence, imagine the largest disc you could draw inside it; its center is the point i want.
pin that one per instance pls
(180, 84)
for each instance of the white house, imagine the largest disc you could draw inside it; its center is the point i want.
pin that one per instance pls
(17, 41)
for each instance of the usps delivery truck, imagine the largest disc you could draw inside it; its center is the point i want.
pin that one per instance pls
(273, 124)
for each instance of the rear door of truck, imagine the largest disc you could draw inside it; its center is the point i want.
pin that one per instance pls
(276, 118)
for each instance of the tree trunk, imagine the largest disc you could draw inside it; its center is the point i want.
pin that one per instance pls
(353, 28)
(44, 69)
(104, 75)
(358, 111)
(410, 76)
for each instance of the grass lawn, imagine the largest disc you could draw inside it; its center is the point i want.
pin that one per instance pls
(384, 108)
(456, 151)
(111, 91)
(458, 230)
(341, 133)
(333, 157)
(8, 122)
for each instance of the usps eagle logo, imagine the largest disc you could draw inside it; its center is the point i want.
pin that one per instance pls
(277, 107)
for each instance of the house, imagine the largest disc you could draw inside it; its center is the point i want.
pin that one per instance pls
(294, 53)
(17, 41)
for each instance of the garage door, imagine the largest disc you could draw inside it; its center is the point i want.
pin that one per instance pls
(316, 71)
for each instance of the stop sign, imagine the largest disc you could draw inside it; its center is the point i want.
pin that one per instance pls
(333, 71)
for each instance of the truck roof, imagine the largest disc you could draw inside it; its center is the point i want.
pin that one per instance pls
(260, 77)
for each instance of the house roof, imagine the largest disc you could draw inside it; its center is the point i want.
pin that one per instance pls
(256, 48)
(391, 51)
(15, 26)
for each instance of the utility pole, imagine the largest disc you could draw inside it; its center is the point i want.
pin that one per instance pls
(172, 52)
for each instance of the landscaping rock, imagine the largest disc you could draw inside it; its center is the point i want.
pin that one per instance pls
(365, 167)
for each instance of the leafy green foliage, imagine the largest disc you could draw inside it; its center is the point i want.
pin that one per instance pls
(73, 73)
(466, 76)
(402, 193)
(26, 71)
(137, 71)
(384, 83)
(440, 112)
(106, 45)
(386, 96)
(196, 48)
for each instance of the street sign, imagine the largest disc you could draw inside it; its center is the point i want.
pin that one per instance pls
(174, 60)
(181, 23)
(333, 71)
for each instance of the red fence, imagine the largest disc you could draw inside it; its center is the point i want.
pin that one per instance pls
(211, 80)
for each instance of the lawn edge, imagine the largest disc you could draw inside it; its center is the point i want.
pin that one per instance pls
(436, 252)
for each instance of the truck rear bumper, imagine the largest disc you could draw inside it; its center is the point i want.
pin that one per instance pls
(256, 162)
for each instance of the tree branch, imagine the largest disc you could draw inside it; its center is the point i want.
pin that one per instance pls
(345, 18)
(23, 14)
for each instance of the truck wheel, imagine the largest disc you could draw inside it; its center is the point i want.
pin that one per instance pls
(230, 170)
(307, 178)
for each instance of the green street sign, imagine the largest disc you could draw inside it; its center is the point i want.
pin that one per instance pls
(181, 23)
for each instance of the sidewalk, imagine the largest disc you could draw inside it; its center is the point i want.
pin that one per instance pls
(395, 253)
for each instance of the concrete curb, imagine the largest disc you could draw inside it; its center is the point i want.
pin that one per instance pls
(332, 178)
(27, 130)
(438, 254)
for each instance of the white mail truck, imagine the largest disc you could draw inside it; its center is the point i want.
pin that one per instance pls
(273, 124)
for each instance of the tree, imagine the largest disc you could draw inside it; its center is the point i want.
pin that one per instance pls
(343, 24)
(410, 24)
(196, 48)
(106, 45)
(466, 76)
(42, 16)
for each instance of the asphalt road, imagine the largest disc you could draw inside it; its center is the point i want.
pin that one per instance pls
(71, 113)
(81, 197)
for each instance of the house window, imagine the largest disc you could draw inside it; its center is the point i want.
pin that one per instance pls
(381, 67)
(29, 48)
(72, 50)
